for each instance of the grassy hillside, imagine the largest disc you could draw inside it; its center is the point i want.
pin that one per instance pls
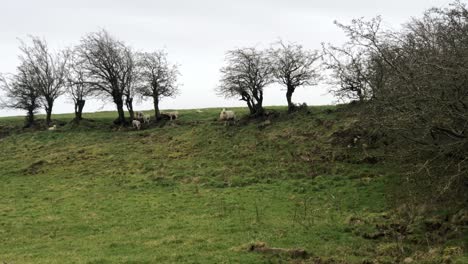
(196, 191)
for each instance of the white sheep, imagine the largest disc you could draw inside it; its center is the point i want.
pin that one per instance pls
(147, 119)
(140, 116)
(54, 127)
(172, 115)
(226, 115)
(136, 124)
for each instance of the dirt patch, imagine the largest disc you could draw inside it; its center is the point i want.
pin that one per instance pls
(36, 167)
(261, 247)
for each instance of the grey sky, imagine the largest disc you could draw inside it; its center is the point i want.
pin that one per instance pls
(196, 34)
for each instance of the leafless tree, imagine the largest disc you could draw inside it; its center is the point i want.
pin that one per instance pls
(158, 78)
(246, 74)
(49, 71)
(20, 92)
(349, 72)
(130, 82)
(129, 94)
(108, 66)
(293, 66)
(419, 91)
(77, 86)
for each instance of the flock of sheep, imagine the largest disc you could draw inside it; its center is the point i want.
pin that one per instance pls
(141, 118)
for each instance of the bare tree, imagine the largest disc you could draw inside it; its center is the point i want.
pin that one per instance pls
(21, 93)
(129, 81)
(247, 73)
(351, 71)
(108, 67)
(158, 78)
(419, 86)
(49, 71)
(129, 94)
(293, 66)
(77, 87)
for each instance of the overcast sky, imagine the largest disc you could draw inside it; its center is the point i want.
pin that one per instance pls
(196, 34)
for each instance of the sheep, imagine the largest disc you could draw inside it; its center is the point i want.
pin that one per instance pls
(146, 119)
(227, 115)
(54, 127)
(136, 124)
(356, 139)
(172, 115)
(140, 116)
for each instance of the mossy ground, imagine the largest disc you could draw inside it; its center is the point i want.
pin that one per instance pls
(187, 191)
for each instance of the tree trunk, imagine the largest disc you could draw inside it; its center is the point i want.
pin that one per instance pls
(258, 110)
(289, 93)
(129, 104)
(30, 118)
(79, 105)
(257, 103)
(119, 103)
(251, 108)
(48, 108)
(157, 113)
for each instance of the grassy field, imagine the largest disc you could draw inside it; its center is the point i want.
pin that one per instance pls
(195, 191)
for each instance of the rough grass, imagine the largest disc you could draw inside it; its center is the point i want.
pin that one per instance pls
(189, 191)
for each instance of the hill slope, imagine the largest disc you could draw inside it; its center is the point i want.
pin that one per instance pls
(192, 190)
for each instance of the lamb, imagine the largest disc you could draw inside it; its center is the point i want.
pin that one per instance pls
(136, 124)
(227, 115)
(54, 127)
(146, 119)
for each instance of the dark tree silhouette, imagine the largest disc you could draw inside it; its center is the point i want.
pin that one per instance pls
(77, 87)
(158, 78)
(108, 67)
(130, 85)
(352, 70)
(418, 78)
(21, 93)
(49, 71)
(247, 73)
(293, 67)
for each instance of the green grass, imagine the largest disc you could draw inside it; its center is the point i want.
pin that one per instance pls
(191, 191)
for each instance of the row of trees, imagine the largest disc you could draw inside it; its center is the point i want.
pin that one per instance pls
(104, 67)
(250, 70)
(100, 66)
(414, 83)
